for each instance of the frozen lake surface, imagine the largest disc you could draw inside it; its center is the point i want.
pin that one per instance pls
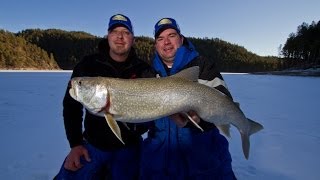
(34, 143)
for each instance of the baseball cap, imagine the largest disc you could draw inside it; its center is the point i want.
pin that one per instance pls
(120, 20)
(165, 23)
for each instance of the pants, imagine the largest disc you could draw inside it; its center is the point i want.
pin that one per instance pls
(115, 165)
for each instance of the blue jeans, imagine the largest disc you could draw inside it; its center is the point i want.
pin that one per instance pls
(117, 165)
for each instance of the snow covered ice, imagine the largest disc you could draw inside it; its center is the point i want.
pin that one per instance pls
(34, 143)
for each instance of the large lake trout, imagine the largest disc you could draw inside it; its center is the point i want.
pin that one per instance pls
(146, 99)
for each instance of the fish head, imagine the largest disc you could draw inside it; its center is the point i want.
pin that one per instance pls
(90, 92)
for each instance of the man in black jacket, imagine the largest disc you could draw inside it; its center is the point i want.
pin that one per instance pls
(97, 148)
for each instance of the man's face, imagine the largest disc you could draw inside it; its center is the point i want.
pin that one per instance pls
(167, 45)
(120, 41)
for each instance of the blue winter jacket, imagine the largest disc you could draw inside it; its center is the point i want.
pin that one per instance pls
(170, 152)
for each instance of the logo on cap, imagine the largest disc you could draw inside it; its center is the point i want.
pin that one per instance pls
(164, 24)
(119, 18)
(164, 21)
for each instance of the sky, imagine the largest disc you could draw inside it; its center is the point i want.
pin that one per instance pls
(259, 26)
(34, 145)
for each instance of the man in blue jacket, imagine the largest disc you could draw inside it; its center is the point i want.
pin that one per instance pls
(175, 148)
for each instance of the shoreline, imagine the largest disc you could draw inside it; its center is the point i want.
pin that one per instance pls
(315, 73)
(16, 70)
(289, 73)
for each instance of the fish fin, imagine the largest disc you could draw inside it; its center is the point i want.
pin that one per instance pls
(237, 104)
(225, 129)
(191, 73)
(113, 126)
(196, 124)
(254, 126)
(126, 125)
(245, 144)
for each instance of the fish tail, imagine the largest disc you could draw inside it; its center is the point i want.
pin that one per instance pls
(253, 128)
(245, 144)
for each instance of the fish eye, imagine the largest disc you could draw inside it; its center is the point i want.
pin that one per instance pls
(80, 82)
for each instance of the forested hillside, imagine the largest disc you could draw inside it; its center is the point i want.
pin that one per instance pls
(17, 53)
(67, 47)
(234, 58)
(59, 49)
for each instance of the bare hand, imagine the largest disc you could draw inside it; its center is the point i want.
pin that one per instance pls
(72, 162)
(181, 120)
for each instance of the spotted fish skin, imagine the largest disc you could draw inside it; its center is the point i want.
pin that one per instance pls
(146, 99)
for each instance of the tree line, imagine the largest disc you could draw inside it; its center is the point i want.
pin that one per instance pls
(303, 47)
(18, 53)
(59, 49)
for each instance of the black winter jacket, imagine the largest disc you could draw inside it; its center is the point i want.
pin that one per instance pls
(96, 130)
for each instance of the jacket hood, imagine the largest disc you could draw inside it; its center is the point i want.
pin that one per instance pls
(184, 55)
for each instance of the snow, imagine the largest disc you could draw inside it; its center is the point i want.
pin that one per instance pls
(34, 143)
